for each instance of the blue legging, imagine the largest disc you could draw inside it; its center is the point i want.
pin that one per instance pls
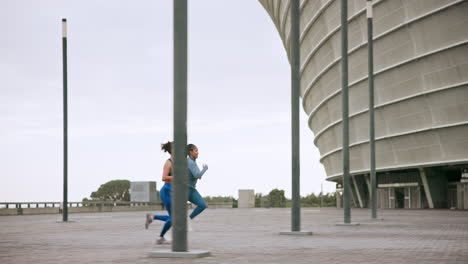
(195, 198)
(165, 194)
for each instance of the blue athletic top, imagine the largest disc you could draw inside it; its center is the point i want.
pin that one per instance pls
(194, 172)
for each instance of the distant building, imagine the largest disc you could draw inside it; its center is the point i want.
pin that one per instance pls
(421, 96)
(246, 199)
(143, 191)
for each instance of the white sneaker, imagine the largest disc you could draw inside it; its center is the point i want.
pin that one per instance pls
(149, 220)
(162, 241)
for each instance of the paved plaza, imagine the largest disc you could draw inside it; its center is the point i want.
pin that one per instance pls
(242, 236)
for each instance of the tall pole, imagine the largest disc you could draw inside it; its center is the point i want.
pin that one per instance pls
(345, 122)
(295, 88)
(321, 194)
(65, 122)
(179, 186)
(370, 46)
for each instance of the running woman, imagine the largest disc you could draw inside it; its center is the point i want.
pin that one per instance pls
(165, 193)
(194, 175)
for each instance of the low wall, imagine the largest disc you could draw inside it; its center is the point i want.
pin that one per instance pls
(8, 211)
(31, 211)
(54, 208)
(214, 205)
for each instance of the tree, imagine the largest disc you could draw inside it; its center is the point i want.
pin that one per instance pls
(313, 200)
(116, 190)
(276, 198)
(258, 200)
(329, 199)
(218, 198)
(262, 200)
(215, 199)
(310, 200)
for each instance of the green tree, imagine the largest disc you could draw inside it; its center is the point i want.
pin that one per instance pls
(313, 200)
(310, 200)
(258, 200)
(276, 198)
(329, 199)
(116, 190)
(215, 199)
(218, 198)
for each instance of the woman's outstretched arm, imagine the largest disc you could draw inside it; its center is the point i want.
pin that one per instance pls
(192, 166)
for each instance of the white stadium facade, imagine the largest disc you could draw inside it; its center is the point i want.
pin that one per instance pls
(421, 96)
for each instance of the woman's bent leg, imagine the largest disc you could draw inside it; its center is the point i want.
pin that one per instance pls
(161, 217)
(166, 199)
(166, 227)
(196, 198)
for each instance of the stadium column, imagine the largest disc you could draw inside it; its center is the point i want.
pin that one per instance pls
(370, 49)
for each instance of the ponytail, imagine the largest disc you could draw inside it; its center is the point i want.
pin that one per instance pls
(167, 147)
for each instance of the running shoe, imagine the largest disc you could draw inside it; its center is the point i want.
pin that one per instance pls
(162, 241)
(149, 220)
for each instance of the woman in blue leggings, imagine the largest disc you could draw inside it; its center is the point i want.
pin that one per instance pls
(194, 197)
(165, 194)
(194, 175)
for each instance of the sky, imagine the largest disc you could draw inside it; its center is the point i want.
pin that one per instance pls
(120, 101)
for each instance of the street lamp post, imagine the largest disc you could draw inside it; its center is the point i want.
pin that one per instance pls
(65, 122)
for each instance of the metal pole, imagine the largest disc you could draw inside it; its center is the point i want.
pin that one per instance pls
(321, 195)
(179, 185)
(65, 122)
(345, 122)
(370, 46)
(295, 87)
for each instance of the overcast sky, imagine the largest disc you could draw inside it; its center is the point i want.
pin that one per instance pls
(120, 98)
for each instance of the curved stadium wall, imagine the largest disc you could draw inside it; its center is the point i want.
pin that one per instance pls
(421, 95)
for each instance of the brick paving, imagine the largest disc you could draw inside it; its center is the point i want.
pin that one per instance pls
(242, 236)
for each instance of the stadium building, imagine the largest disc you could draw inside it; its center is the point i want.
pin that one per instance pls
(421, 96)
